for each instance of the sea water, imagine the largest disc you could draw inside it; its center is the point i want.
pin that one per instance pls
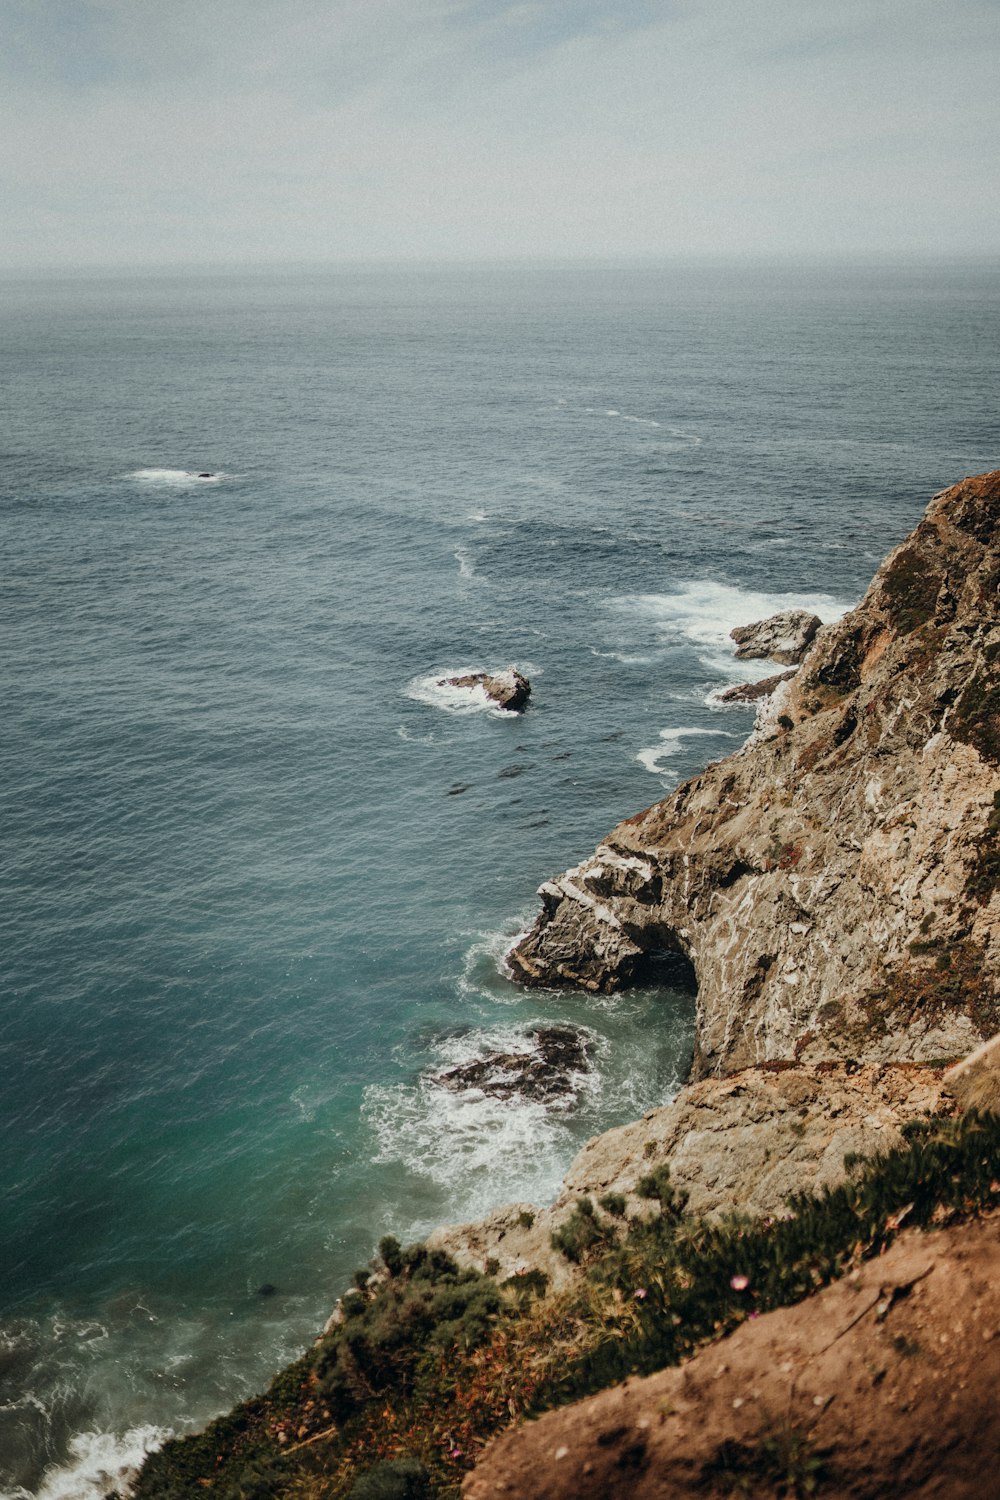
(259, 870)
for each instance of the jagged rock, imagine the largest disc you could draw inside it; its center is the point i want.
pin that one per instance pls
(836, 884)
(883, 1384)
(784, 637)
(509, 689)
(745, 1142)
(551, 1070)
(753, 692)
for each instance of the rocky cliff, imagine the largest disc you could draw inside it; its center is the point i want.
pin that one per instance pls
(834, 883)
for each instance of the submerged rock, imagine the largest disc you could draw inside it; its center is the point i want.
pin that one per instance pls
(784, 637)
(549, 1071)
(509, 689)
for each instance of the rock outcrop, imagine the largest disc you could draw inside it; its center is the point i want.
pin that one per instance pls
(835, 883)
(753, 692)
(784, 637)
(509, 689)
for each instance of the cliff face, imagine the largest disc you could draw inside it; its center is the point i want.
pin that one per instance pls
(835, 883)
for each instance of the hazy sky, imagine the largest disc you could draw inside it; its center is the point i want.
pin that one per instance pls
(255, 130)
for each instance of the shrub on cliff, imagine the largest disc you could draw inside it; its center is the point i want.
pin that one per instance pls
(400, 1479)
(424, 1304)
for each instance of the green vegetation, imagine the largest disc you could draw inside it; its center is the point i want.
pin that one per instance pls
(954, 982)
(429, 1362)
(582, 1232)
(400, 1479)
(425, 1305)
(975, 719)
(911, 591)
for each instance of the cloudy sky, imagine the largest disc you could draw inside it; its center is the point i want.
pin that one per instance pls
(154, 131)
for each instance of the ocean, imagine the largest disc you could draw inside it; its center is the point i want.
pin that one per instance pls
(258, 869)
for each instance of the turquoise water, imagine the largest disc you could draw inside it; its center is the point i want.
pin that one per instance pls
(244, 905)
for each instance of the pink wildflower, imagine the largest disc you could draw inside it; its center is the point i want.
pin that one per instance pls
(739, 1283)
(641, 1293)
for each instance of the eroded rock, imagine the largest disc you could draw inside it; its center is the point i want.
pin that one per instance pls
(784, 637)
(753, 692)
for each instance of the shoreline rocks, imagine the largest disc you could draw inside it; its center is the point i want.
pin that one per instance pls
(753, 692)
(549, 1070)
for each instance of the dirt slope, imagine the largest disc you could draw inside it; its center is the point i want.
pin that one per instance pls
(883, 1385)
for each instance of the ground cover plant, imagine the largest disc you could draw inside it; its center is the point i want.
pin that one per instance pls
(429, 1361)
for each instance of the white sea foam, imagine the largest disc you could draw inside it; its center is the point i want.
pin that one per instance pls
(466, 568)
(702, 612)
(99, 1462)
(669, 437)
(479, 1149)
(627, 659)
(486, 961)
(434, 689)
(672, 743)
(176, 478)
(476, 515)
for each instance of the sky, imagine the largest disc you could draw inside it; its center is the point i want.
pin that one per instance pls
(141, 132)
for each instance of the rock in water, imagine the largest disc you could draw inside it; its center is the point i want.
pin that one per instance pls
(509, 689)
(550, 1071)
(752, 692)
(836, 884)
(784, 637)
